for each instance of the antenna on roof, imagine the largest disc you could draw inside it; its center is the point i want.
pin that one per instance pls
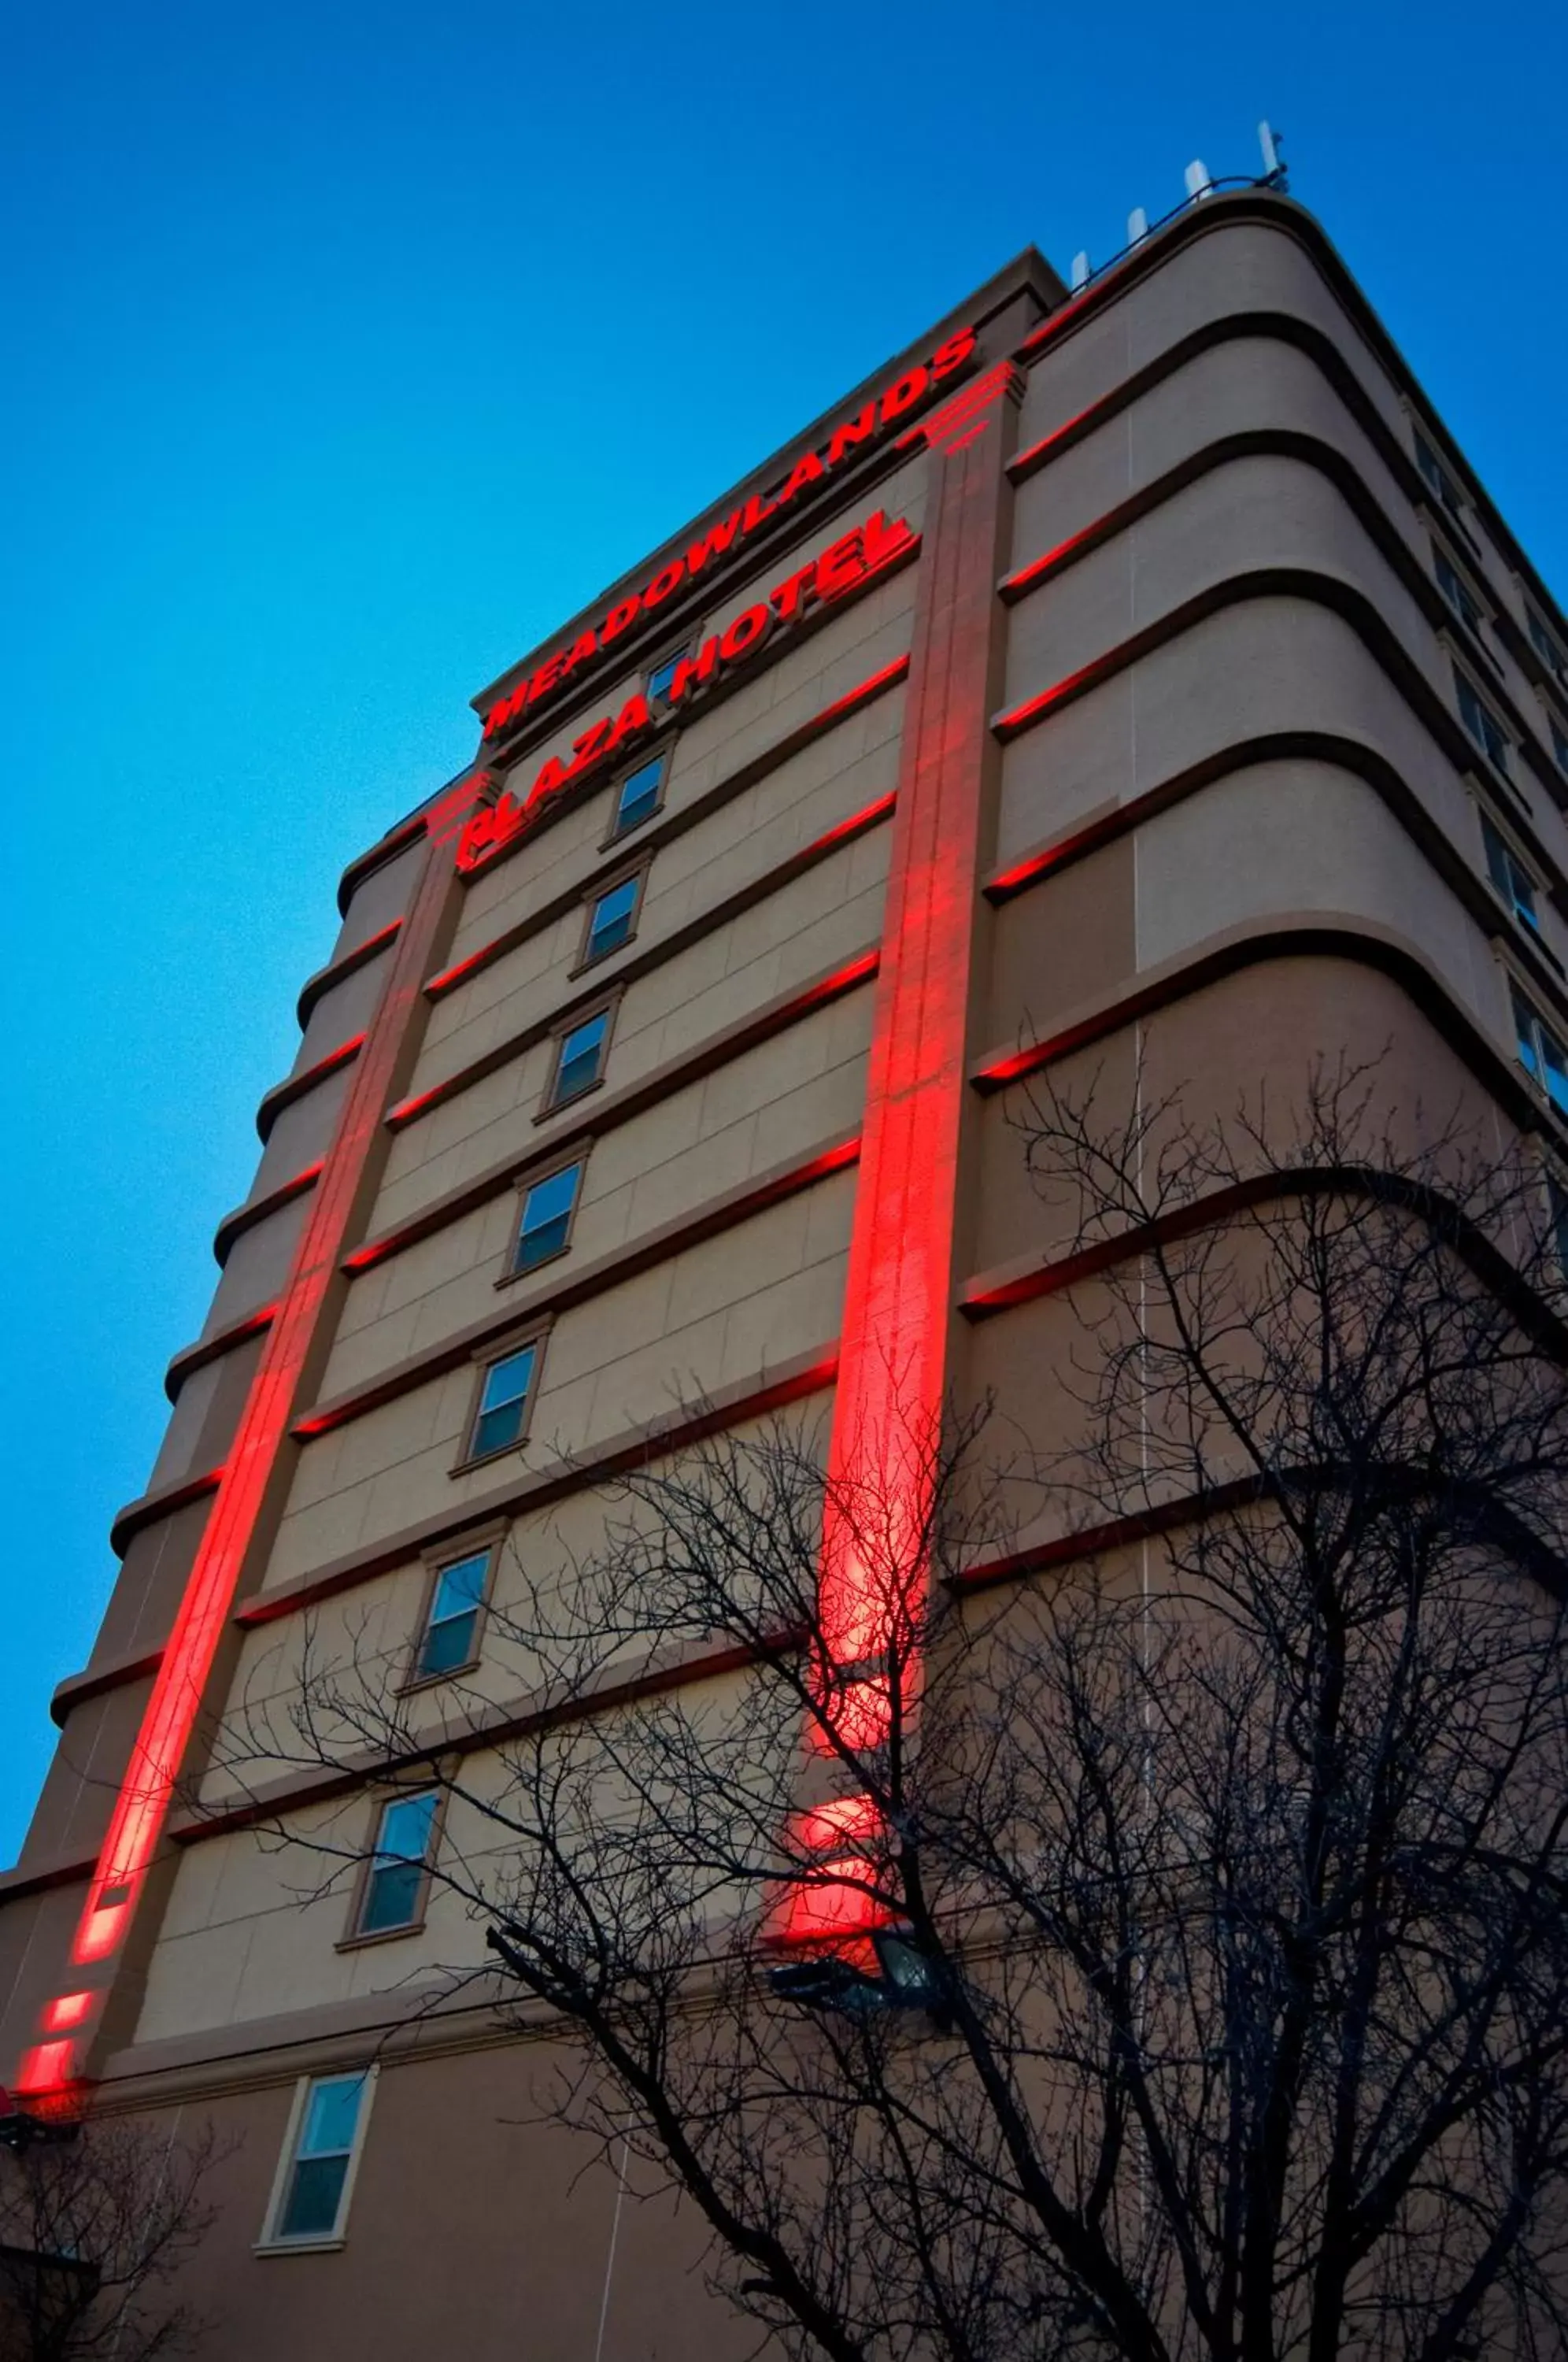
(1137, 225)
(1272, 144)
(1199, 183)
(1081, 272)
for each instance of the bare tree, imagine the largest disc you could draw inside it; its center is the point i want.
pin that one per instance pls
(96, 2220)
(1200, 1986)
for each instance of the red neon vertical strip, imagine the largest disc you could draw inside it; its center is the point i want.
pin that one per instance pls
(141, 1806)
(893, 1355)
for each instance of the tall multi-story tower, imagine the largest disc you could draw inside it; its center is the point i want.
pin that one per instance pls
(1138, 672)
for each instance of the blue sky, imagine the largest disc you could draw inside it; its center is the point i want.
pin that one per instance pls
(352, 348)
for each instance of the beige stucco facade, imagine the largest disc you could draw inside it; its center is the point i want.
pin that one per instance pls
(1244, 830)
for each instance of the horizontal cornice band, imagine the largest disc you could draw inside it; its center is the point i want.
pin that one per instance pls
(612, 975)
(161, 1502)
(1310, 585)
(191, 1358)
(754, 1397)
(1336, 467)
(134, 1665)
(338, 970)
(296, 1087)
(1286, 218)
(387, 848)
(1302, 935)
(1107, 822)
(563, 1289)
(669, 827)
(257, 1209)
(618, 1106)
(1027, 1278)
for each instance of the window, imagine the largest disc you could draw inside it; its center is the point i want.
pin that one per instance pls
(502, 1403)
(547, 1208)
(1541, 1054)
(1559, 740)
(580, 1059)
(1437, 475)
(1508, 875)
(1557, 1217)
(1456, 590)
(611, 919)
(448, 1641)
(328, 2119)
(639, 797)
(661, 675)
(1481, 723)
(1545, 646)
(394, 1882)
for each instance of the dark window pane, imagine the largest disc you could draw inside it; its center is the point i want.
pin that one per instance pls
(1555, 1062)
(580, 1052)
(547, 1217)
(315, 2190)
(611, 922)
(1560, 742)
(391, 1897)
(661, 677)
(503, 1401)
(639, 795)
(450, 1643)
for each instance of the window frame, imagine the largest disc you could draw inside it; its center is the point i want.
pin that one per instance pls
(485, 1359)
(486, 1543)
(1557, 737)
(1520, 998)
(1469, 592)
(1499, 766)
(354, 1937)
(669, 655)
(1543, 641)
(604, 1005)
(634, 872)
(1529, 924)
(617, 834)
(273, 2241)
(527, 1181)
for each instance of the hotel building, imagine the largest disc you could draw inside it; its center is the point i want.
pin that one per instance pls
(1135, 672)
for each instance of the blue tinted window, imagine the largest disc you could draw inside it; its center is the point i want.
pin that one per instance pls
(611, 925)
(454, 1616)
(396, 1881)
(660, 677)
(503, 1401)
(638, 797)
(581, 1054)
(312, 2199)
(547, 1217)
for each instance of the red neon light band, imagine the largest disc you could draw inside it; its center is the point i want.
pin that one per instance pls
(141, 1806)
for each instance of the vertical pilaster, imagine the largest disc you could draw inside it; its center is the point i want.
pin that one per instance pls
(99, 1987)
(896, 1338)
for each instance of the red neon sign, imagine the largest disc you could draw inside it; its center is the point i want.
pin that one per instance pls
(850, 438)
(853, 562)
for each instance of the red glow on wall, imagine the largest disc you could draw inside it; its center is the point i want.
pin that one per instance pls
(141, 1806)
(1014, 585)
(69, 2011)
(852, 563)
(1034, 709)
(454, 974)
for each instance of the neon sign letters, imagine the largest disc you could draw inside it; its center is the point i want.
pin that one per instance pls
(849, 439)
(853, 562)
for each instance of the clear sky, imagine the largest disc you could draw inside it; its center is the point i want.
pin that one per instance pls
(351, 348)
